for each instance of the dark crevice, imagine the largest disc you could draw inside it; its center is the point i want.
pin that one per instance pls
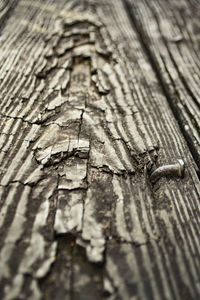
(60, 157)
(64, 279)
(18, 118)
(52, 285)
(18, 181)
(80, 125)
(37, 122)
(144, 40)
(105, 169)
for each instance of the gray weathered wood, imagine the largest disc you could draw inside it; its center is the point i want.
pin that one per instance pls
(170, 33)
(84, 122)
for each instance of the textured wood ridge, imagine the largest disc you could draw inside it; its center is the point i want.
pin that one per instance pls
(83, 123)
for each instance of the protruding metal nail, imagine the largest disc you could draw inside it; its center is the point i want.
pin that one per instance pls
(177, 39)
(175, 170)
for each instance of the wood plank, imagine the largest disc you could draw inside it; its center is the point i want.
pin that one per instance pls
(84, 122)
(6, 9)
(170, 33)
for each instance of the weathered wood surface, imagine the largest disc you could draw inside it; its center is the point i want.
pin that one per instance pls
(84, 122)
(169, 31)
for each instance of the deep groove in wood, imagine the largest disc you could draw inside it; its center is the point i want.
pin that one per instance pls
(4, 18)
(144, 42)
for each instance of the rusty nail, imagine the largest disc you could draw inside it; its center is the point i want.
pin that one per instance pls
(175, 169)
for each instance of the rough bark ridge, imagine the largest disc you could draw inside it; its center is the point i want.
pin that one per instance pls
(84, 122)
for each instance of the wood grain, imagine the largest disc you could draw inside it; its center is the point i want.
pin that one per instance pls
(84, 122)
(169, 31)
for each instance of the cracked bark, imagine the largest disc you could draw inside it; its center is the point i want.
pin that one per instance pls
(84, 122)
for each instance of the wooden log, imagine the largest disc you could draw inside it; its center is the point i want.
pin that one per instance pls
(84, 123)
